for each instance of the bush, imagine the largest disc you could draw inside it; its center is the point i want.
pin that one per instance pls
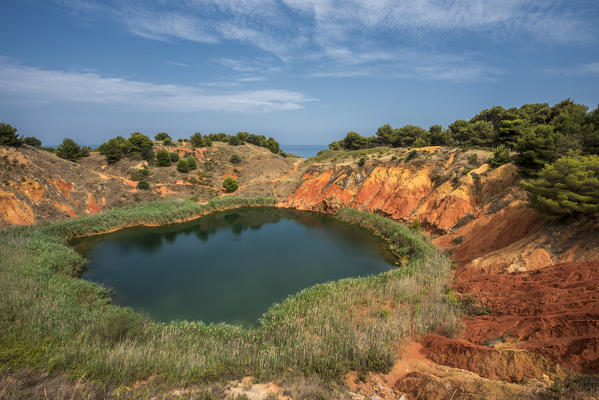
(234, 141)
(163, 158)
(8, 136)
(501, 156)
(174, 156)
(32, 141)
(69, 150)
(235, 159)
(411, 155)
(142, 184)
(198, 140)
(186, 164)
(167, 142)
(191, 163)
(182, 166)
(361, 162)
(230, 184)
(568, 187)
(473, 159)
(85, 151)
(137, 146)
(162, 136)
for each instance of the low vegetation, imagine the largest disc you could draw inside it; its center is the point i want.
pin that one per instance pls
(230, 184)
(53, 321)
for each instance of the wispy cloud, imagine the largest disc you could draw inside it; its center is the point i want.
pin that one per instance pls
(178, 64)
(349, 38)
(34, 84)
(592, 68)
(583, 69)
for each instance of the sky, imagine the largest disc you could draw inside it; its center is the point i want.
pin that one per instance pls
(302, 71)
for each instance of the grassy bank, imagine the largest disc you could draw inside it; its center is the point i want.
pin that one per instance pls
(51, 320)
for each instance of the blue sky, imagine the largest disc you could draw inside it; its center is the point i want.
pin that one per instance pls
(303, 71)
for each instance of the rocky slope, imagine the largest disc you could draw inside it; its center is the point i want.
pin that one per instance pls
(37, 186)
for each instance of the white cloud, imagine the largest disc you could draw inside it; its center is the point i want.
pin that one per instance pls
(33, 84)
(592, 68)
(348, 38)
(178, 64)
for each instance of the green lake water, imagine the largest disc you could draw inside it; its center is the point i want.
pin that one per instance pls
(229, 266)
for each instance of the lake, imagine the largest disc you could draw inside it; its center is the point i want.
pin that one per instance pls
(229, 266)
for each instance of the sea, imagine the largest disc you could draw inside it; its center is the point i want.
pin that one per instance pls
(303, 150)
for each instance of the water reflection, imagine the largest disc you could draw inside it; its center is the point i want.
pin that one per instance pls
(229, 266)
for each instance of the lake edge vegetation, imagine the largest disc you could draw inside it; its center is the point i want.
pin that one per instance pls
(53, 321)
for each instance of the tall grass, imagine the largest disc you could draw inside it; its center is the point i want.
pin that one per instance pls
(51, 320)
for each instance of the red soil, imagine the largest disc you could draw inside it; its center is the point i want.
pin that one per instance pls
(553, 311)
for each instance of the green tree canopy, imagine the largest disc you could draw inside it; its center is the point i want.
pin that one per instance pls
(354, 141)
(536, 148)
(32, 141)
(163, 158)
(568, 187)
(162, 136)
(115, 149)
(8, 136)
(69, 150)
(199, 140)
(141, 147)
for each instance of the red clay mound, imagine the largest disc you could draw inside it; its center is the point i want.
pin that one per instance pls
(553, 311)
(511, 365)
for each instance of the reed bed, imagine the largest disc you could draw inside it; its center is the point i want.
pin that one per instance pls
(53, 321)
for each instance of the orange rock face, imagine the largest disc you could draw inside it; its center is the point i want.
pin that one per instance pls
(63, 187)
(92, 205)
(14, 211)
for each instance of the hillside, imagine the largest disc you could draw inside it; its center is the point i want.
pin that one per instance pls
(528, 286)
(38, 186)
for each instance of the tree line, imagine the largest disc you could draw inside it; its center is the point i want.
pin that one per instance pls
(557, 149)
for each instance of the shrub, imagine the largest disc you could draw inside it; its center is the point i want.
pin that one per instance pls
(69, 150)
(191, 163)
(163, 158)
(182, 166)
(473, 159)
(568, 187)
(162, 136)
(141, 147)
(85, 151)
(174, 156)
(230, 184)
(32, 141)
(501, 156)
(412, 154)
(137, 146)
(234, 141)
(142, 184)
(167, 142)
(198, 140)
(361, 161)
(235, 159)
(8, 136)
